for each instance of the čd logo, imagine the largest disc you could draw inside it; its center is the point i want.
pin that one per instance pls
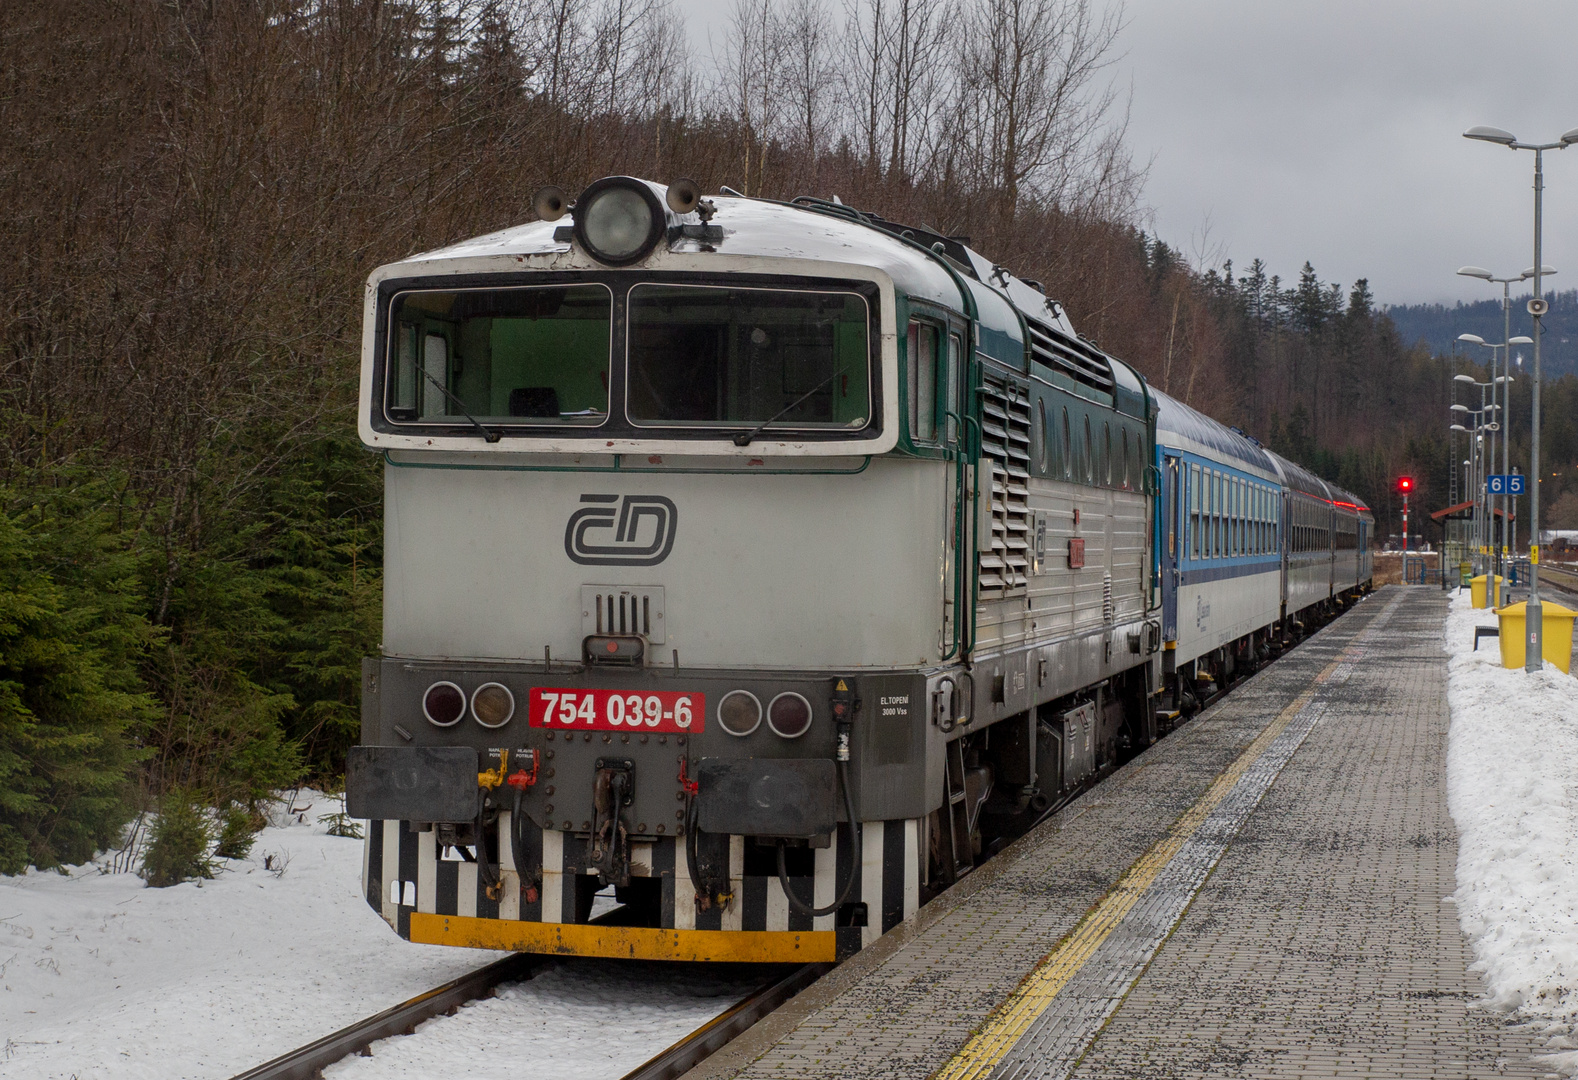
(636, 530)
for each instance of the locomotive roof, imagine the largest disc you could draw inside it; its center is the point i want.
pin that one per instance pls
(829, 233)
(751, 228)
(1180, 421)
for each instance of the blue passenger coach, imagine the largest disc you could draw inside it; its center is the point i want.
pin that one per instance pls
(1247, 543)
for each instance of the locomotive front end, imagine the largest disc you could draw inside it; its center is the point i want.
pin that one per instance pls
(662, 612)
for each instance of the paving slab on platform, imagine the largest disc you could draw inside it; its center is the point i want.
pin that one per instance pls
(1262, 893)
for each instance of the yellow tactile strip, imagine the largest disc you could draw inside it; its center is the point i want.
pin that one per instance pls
(1004, 1029)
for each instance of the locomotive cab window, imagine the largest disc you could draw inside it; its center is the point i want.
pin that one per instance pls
(709, 356)
(527, 355)
(921, 346)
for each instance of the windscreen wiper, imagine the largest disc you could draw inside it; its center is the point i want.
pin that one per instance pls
(487, 433)
(744, 438)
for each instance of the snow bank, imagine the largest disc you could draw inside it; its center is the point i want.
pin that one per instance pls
(102, 977)
(1512, 766)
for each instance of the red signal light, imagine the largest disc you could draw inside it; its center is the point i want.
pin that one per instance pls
(1405, 484)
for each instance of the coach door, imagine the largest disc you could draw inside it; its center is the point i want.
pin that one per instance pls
(1172, 545)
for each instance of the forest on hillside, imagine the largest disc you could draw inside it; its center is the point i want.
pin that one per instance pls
(1438, 325)
(193, 195)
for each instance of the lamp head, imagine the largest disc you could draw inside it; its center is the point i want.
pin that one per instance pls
(1521, 339)
(1545, 271)
(1569, 137)
(1472, 339)
(1463, 378)
(1460, 408)
(1491, 134)
(1459, 427)
(1475, 271)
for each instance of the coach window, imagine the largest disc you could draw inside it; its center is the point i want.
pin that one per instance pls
(1216, 514)
(922, 347)
(1232, 516)
(1194, 510)
(1238, 517)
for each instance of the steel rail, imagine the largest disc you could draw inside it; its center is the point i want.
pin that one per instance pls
(718, 1032)
(307, 1062)
(1565, 578)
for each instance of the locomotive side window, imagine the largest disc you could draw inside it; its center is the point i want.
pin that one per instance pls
(1106, 452)
(532, 355)
(955, 367)
(1068, 457)
(922, 350)
(708, 356)
(1090, 464)
(1043, 451)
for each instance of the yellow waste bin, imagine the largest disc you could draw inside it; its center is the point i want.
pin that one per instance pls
(1557, 644)
(1480, 586)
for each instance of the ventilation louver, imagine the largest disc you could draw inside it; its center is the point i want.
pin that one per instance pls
(1005, 447)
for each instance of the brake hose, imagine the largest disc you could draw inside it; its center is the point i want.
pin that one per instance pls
(517, 840)
(843, 894)
(490, 879)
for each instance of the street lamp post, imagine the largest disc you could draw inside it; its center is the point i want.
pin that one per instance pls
(1506, 368)
(1500, 429)
(1533, 651)
(1482, 427)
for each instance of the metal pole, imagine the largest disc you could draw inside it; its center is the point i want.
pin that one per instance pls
(1533, 653)
(1505, 416)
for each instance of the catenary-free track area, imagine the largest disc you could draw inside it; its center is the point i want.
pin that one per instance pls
(1262, 893)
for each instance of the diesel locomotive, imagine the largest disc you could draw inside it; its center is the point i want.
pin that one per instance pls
(769, 562)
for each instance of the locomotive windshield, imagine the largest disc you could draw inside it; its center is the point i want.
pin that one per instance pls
(692, 357)
(709, 356)
(527, 355)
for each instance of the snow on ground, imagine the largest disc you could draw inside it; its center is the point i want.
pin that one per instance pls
(579, 1020)
(1512, 765)
(102, 977)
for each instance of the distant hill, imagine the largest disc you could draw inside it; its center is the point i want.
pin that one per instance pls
(1440, 325)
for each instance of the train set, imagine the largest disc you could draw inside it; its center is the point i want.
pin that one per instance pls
(771, 563)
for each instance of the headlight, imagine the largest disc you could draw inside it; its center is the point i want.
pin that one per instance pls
(739, 713)
(618, 220)
(789, 715)
(444, 704)
(493, 705)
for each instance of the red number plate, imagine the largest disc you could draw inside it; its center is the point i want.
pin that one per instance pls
(610, 710)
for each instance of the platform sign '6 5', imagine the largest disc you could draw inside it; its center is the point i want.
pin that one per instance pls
(611, 710)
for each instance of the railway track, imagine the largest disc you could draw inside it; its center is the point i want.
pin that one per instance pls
(1561, 577)
(309, 1061)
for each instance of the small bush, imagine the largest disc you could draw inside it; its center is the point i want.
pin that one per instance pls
(238, 831)
(342, 824)
(178, 849)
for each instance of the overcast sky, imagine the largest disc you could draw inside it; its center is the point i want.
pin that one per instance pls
(1331, 131)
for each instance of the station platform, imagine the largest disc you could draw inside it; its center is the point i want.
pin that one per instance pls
(1263, 893)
